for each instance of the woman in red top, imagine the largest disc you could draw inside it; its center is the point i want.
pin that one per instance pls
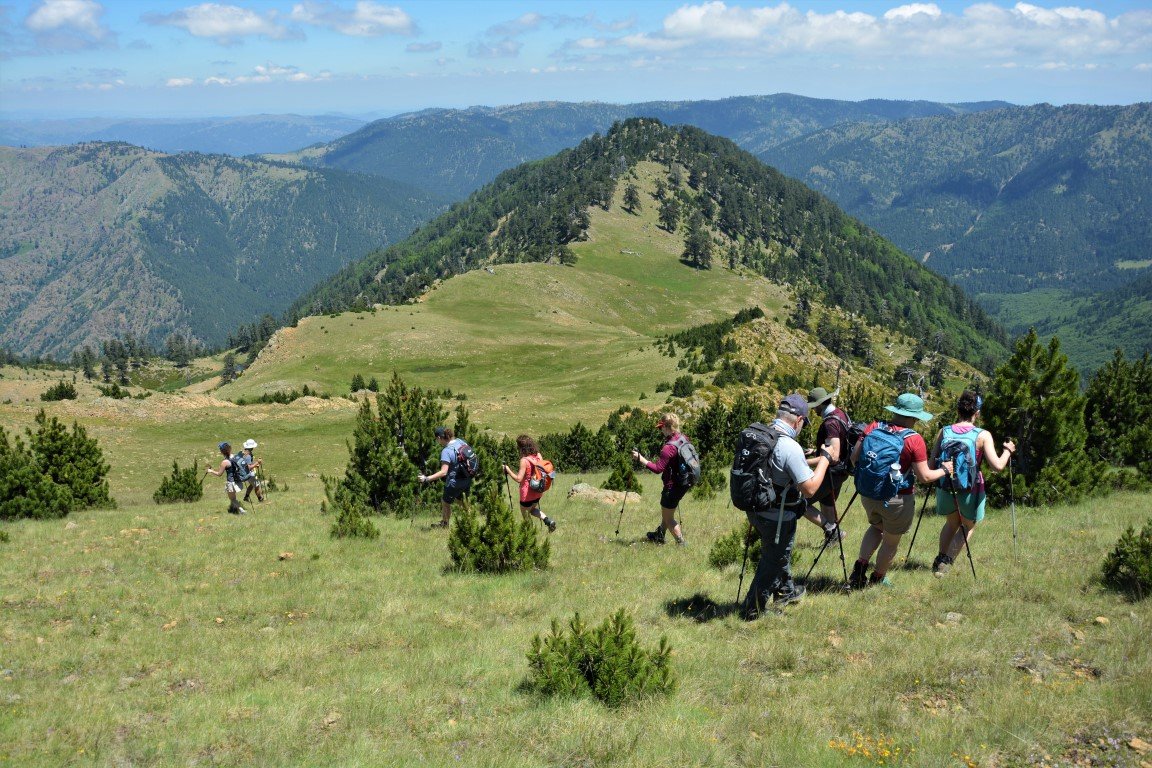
(669, 426)
(529, 499)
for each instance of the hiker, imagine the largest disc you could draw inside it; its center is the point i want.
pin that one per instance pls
(834, 426)
(795, 483)
(531, 463)
(970, 495)
(889, 460)
(250, 465)
(666, 466)
(457, 481)
(230, 470)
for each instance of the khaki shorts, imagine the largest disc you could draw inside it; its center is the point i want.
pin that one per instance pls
(231, 487)
(893, 516)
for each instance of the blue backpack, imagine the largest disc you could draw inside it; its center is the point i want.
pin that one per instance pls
(878, 473)
(961, 451)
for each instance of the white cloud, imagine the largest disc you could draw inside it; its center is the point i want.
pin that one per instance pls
(226, 24)
(913, 11)
(261, 73)
(179, 82)
(366, 19)
(68, 25)
(503, 49)
(430, 47)
(1143, 67)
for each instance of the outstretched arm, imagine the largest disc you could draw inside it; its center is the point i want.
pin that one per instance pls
(988, 448)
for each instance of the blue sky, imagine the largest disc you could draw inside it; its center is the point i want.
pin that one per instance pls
(151, 58)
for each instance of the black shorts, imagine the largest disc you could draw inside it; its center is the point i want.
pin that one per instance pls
(455, 492)
(829, 490)
(526, 505)
(670, 497)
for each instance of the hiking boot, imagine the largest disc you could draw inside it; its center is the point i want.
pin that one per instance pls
(681, 541)
(656, 536)
(857, 580)
(832, 532)
(791, 598)
(550, 523)
(941, 565)
(879, 582)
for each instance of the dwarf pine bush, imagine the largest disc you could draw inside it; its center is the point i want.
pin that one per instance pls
(72, 460)
(623, 478)
(500, 545)
(25, 489)
(606, 662)
(181, 485)
(729, 549)
(1128, 568)
(61, 390)
(345, 496)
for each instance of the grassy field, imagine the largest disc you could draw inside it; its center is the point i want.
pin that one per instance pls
(180, 635)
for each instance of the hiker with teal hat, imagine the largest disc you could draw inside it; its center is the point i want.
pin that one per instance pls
(889, 460)
(971, 446)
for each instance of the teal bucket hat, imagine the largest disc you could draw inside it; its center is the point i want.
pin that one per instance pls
(911, 405)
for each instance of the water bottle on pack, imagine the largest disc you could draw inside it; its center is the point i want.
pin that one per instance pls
(895, 475)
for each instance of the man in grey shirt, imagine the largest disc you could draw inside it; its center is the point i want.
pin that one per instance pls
(794, 482)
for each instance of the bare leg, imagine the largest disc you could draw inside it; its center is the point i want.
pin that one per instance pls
(445, 512)
(668, 518)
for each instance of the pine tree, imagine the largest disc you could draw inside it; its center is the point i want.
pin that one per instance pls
(631, 198)
(669, 214)
(72, 460)
(1119, 411)
(501, 545)
(623, 478)
(25, 489)
(1034, 398)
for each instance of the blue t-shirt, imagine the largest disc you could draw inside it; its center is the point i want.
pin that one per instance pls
(456, 473)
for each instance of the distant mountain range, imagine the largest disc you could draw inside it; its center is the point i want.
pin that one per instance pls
(453, 152)
(101, 239)
(250, 135)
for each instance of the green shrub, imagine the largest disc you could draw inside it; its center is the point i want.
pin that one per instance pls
(501, 545)
(72, 460)
(4, 538)
(62, 390)
(25, 489)
(114, 391)
(345, 497)
(607, 662)
(622, 477)
(729, 549)
(182, 485)
(712, 478)
(1128, 568)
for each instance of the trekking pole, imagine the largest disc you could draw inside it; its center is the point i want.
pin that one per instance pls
(828, 541)
(956, 505)
(508, 486)
(924, 506)
(743, 565)
(619, 521)
(1012, 495)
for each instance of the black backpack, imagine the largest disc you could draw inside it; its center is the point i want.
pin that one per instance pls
(853, 434)
(750, 482)
(687, 463)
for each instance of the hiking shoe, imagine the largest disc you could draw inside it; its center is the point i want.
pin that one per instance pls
(441, 524)
(941, 565)
(681, 541)
(859, 570)
(656, 536)
(879, 582)
(791, 598)
(832, 532)
(551, 524)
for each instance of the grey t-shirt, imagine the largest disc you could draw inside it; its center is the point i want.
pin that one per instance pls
(788, 467)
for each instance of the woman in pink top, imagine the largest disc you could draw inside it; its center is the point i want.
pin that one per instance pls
(529, 499)
(665, 466)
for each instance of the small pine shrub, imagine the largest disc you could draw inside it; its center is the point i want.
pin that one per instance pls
(352, 515)
(72, 460)
(62, 390)
(729, 549)
(501, 545)
(25, 489)
(114, 391)
(4, 538)
(712, 479)
(606, 662)
(1128, 568)
(623, 478)
(182, 485)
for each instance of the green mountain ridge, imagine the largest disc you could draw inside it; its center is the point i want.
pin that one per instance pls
(752, 217)
(104, 239)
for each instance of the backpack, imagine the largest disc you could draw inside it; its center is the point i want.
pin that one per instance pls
(853, 434)
(750, 483)
(687, 472)
(238, 471)
(961, 451)
(543, 473)
(878, 475)
(467, 459)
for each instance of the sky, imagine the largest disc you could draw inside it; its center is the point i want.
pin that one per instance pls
(372, 58)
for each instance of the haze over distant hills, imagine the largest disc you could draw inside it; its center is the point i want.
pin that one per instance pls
(102, 239)
(248, 135)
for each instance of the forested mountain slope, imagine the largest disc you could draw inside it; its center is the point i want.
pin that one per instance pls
(103, 239)
(734, 212)
(453, 152)
(1005, 202)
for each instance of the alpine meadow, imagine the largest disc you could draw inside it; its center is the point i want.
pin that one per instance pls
(640, 281)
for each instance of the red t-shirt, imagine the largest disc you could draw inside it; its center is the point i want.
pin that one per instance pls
(915, 449)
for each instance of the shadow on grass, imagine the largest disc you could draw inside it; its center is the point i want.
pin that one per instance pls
(915, 565)
(826, 584)
(700, 608)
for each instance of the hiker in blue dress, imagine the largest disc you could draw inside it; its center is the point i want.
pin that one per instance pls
(970, 495)
(457, 481)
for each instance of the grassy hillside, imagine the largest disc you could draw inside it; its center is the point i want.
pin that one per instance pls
(180, 634)
(534, 346)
